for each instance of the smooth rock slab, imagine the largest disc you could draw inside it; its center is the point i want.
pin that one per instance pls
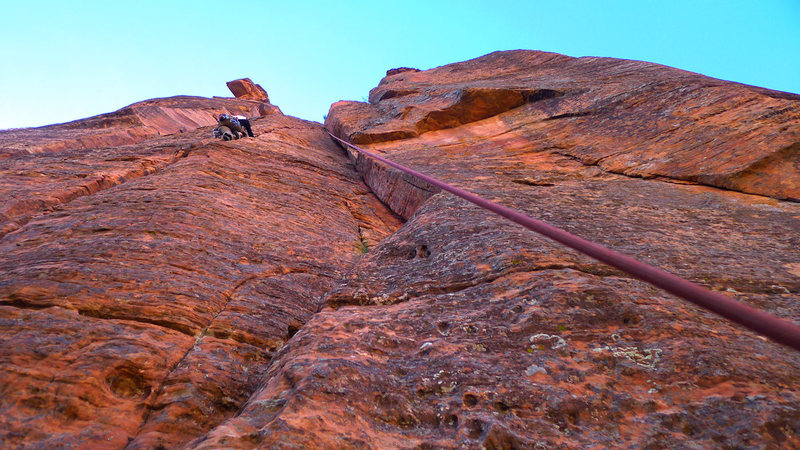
(222, 253)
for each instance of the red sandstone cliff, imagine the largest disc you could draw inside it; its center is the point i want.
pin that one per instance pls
(32, 184)
(257, 293)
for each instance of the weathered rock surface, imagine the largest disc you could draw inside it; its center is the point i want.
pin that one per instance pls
(31, 184)
(147, 311)
(132, 124)
(629, 117)
(245, 88)
(463, 330)
(188, 292)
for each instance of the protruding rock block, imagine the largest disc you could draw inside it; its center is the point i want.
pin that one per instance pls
(391, 72)
(245, 89)
(629, 117)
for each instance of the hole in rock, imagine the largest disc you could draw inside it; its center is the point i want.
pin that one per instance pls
(128, 382)
(451, 420)
(470, 400)
(69, 412)
(500, 406)
(423, 252)
(476, 428)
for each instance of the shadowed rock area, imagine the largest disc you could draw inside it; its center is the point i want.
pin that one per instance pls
(282, 292)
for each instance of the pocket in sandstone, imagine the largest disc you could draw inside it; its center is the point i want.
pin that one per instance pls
(128, 382)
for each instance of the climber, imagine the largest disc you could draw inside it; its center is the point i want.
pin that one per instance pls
(232, 124)
(245, 122)
(224, 133)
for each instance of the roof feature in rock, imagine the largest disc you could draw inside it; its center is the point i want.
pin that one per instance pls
(629, 117)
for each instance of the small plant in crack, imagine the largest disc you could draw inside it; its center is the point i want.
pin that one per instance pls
(361, 245)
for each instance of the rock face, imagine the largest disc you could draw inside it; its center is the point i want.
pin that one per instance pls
(144, 313)
(475, 332)
(244, 88)
(628, 117)
(129, 125)
(33, 184)
(187, 292)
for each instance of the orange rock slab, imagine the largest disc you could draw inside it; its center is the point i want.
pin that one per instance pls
(629, 117)
(144, 313)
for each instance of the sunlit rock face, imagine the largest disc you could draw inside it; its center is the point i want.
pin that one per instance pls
(280, 291)
(627, 117)
(149, 285)
(132, 124)
(31, 184)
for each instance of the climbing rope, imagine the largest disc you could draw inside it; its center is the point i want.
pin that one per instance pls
(779, 330)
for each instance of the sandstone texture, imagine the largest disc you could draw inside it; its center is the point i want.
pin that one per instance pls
(283, 292)
(73, 160)
(144, 313)
(628, 117)
(132, 124)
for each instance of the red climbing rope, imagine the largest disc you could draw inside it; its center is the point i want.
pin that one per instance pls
(779, 330)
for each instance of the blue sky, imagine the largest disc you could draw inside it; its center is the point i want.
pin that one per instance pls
(68, 60)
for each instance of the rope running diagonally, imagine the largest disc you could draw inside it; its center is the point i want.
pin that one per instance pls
(779, 330)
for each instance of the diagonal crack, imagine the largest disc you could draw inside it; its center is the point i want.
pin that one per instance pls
(150, 405)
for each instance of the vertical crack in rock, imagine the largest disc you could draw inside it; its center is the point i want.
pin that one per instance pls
(273, 295)
(194, 347)
(401, 193)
